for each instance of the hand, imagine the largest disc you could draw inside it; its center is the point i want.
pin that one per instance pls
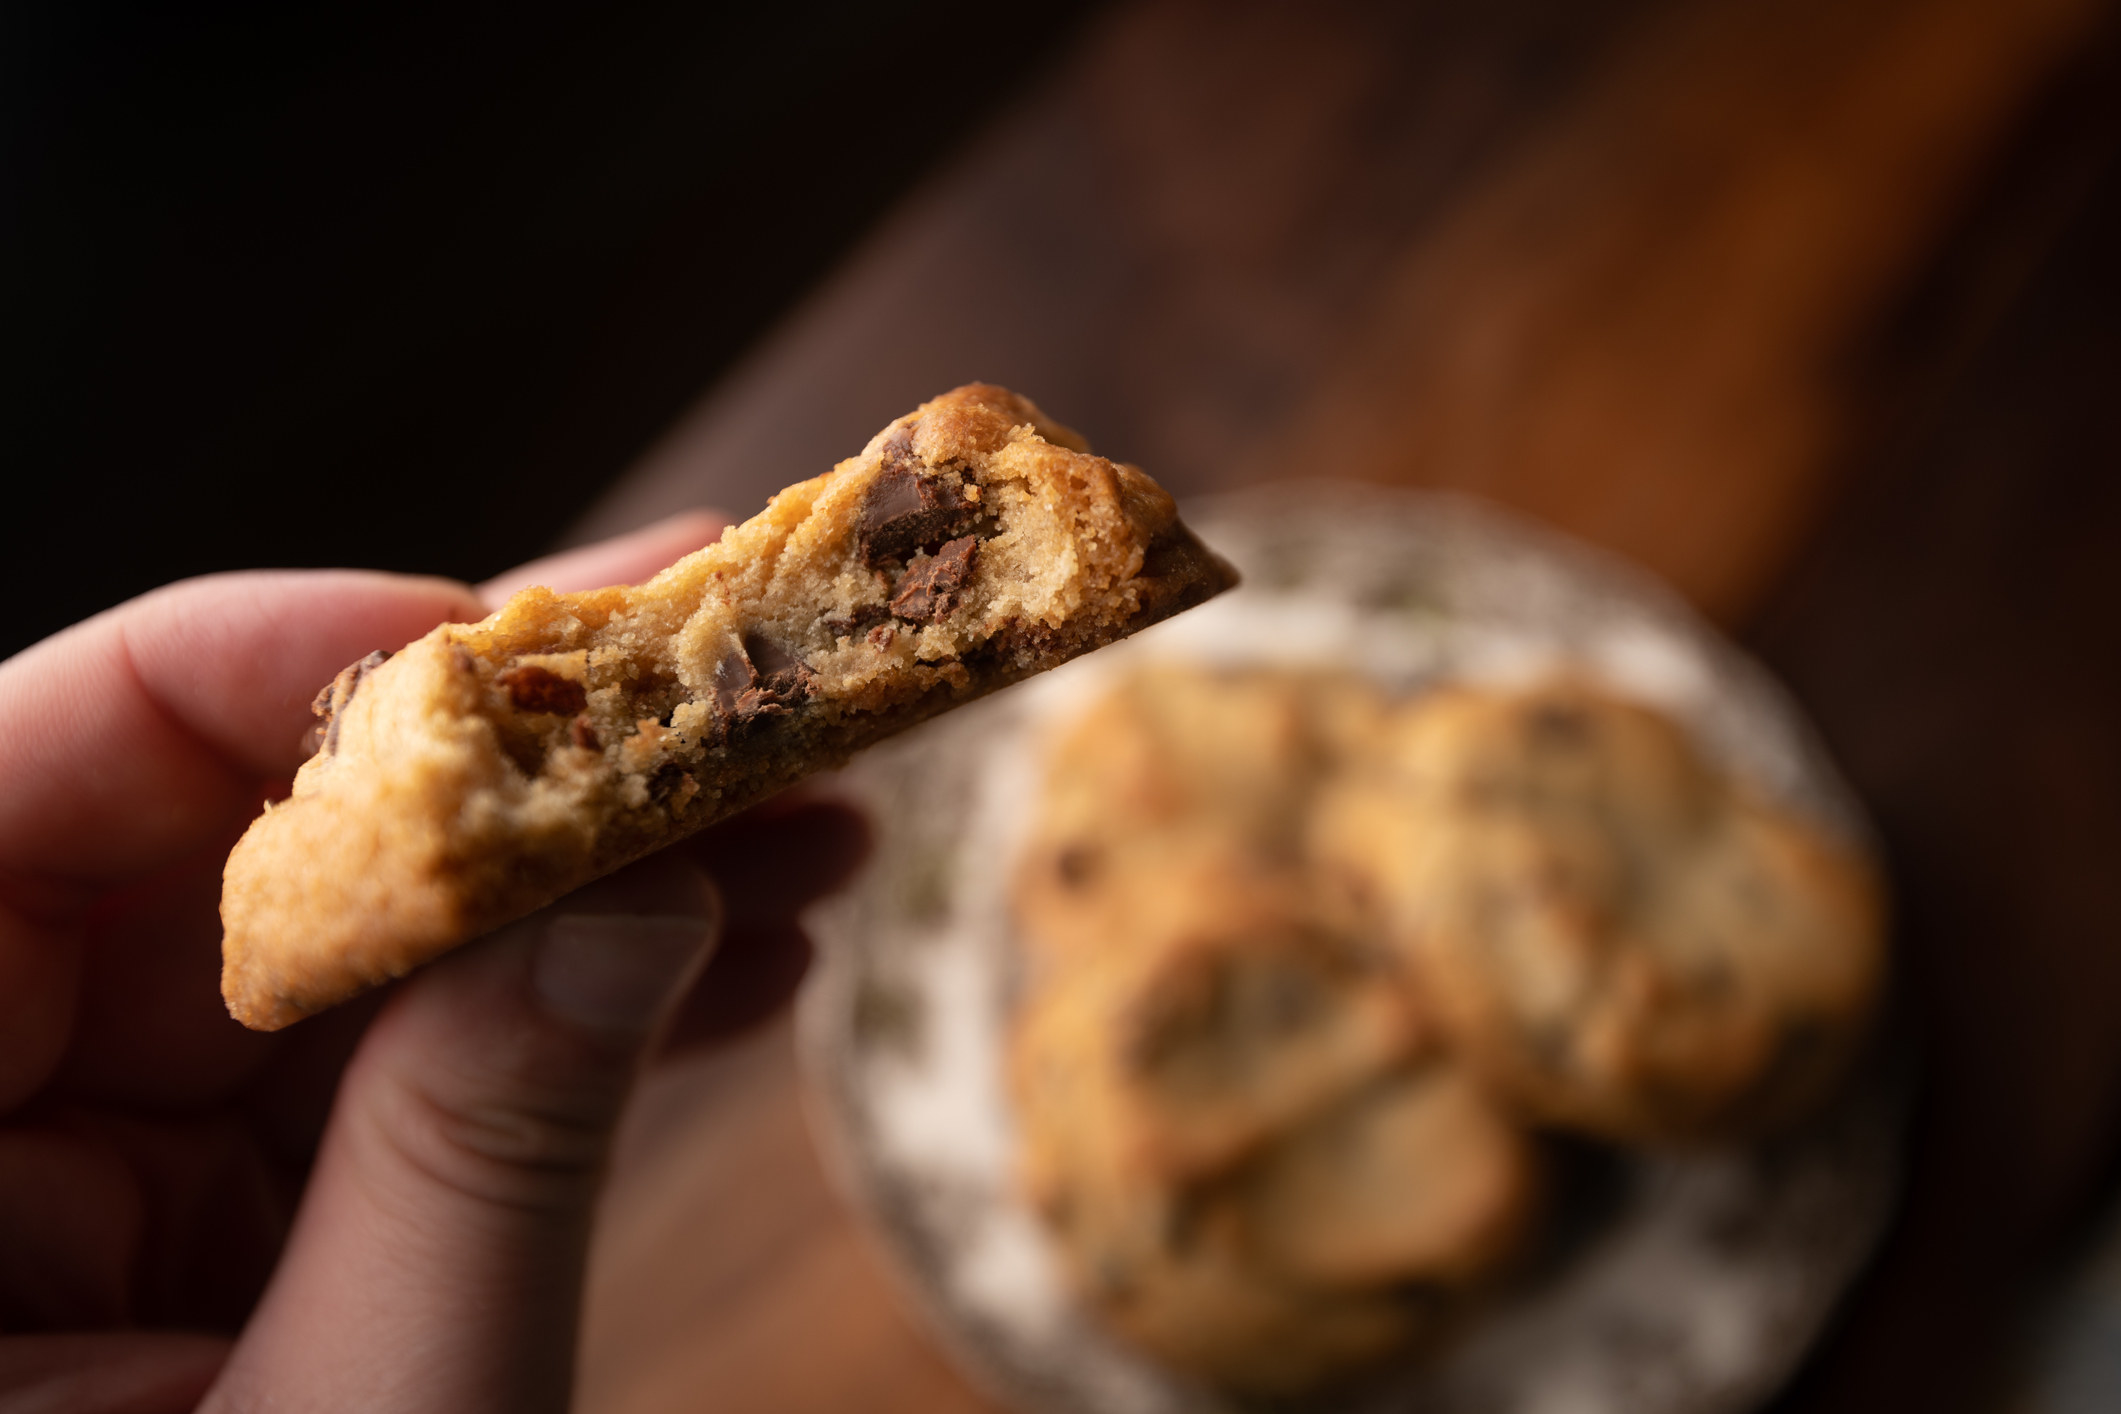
(188, 1210)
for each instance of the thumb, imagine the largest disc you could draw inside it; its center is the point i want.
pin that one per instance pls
(437, 1261)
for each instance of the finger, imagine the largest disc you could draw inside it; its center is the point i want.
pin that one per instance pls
(623, 559)
(437, 1261)
(136, 1372)
(151, 1032)
(776, 859)
(40, 984)
(770, 863)
(136, 736)
(754, 972)
(71, 1220)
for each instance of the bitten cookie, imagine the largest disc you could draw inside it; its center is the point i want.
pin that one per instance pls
(1619, 938)
(489, 768)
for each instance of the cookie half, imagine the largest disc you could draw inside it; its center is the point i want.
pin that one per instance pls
(487, 769)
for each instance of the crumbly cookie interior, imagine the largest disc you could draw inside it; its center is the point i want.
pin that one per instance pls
(944, 557)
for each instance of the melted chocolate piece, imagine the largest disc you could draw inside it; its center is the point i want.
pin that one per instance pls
(733, 676)
(531, 688)
(758, 679)
(898, 448)
(906, 509)
(332, 700)
(778, 669)
(930, 589)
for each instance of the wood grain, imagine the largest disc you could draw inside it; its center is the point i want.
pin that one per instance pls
(1642, 325)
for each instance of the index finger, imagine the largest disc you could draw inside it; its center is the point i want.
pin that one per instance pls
(136, 736)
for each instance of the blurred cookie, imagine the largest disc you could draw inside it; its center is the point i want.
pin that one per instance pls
(1234, 1008)
(1418, 1178)
(1198, 1303)
(1345, 1239)
(1622, 940)
(1173, 765)
(1234, 1118)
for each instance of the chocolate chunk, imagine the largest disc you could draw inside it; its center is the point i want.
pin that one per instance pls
(332, 700)
(758, 679)
(859, 622)
(882, 636)
(733, 676)
(930, 589)
(898, 448)
(531, 688)
(584, 733)
(780, 672)
(758, 703)
(907, 509)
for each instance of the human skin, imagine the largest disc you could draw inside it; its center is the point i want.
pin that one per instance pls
(386, 1207)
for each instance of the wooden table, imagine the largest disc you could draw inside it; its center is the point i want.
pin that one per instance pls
(1805, 304)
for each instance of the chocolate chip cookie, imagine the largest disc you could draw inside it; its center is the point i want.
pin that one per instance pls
(1620, 938)
(489, 768)
(1177, 764)
(1255, 1162)
(1234, 1008)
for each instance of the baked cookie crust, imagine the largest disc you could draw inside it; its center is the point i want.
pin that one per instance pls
(487, 769)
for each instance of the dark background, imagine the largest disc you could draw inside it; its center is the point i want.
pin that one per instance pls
(407, 287)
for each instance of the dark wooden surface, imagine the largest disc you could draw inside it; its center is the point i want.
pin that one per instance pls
(1955, 629)
(1806, 305)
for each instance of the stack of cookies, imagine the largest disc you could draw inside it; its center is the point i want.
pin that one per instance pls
(1308, 973)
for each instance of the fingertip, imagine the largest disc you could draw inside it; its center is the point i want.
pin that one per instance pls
(748, 979)
(779, 857)
(615, 973)
(664, 884)
(619, 954)
(441, 1238)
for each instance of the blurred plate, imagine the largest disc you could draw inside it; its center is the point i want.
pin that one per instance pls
(1699, 1281)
